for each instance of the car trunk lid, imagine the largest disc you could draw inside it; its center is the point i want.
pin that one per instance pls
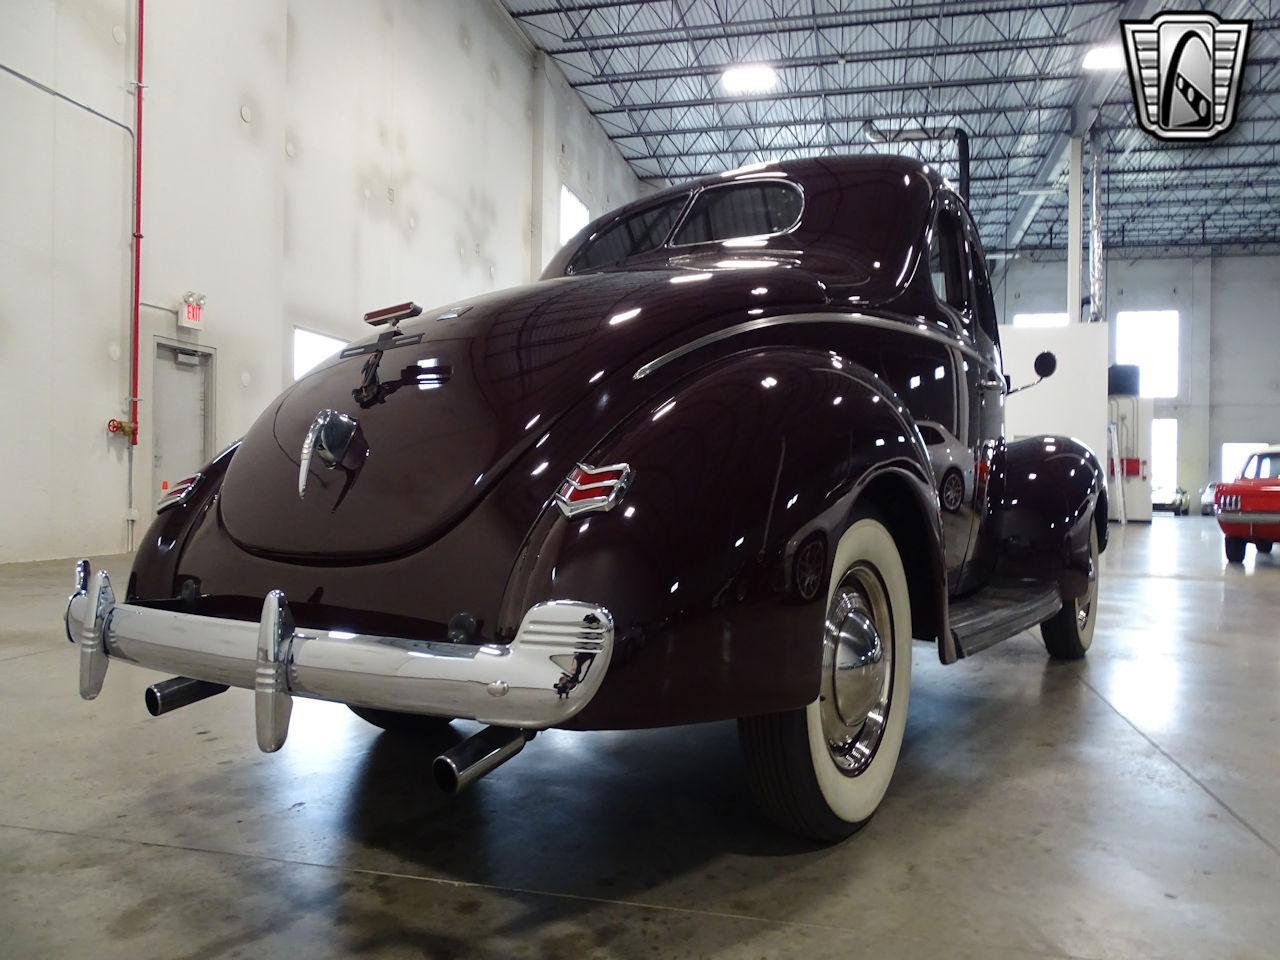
(464, 393)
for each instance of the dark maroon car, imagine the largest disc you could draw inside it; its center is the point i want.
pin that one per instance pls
(678, 479)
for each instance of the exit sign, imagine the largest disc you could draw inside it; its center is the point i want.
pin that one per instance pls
(191, 311)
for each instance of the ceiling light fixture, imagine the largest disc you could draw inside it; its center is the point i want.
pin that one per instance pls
(749, 78)
(1104, 57)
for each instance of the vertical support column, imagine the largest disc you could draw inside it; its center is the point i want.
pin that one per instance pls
(1075, 237)
(1097, 262)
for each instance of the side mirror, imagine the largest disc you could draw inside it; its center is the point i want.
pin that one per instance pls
(1046, 365)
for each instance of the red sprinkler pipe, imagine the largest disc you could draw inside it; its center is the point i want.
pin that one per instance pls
(137, 234)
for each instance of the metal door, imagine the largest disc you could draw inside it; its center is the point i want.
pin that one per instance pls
(179, 415)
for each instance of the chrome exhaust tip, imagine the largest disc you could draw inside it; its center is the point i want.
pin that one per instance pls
(458, 768)
(168, 695)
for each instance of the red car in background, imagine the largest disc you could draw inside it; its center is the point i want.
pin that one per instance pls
(1248, 509)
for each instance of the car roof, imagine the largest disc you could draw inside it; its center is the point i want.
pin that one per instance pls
(796, 170)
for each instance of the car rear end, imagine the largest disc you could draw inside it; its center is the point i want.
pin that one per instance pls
(1248, 509)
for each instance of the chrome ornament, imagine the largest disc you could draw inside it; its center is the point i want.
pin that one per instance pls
(328, 437)
(588, 489)
(1185, 71)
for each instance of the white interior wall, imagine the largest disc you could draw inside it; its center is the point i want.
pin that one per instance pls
(1073, 402)
(304, 161)
(1229, 352)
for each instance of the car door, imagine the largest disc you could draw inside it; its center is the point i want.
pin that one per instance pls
(951, 274)
(987, 400)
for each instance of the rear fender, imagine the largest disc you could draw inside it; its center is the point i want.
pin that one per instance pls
(745, 476)
(155, 565)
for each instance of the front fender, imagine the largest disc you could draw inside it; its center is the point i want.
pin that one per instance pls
(1046, 496)
(740, 473)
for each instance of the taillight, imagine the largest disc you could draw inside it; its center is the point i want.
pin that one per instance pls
(590, 488)
(178, 493)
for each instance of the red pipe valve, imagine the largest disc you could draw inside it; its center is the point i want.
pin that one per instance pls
(127, 427)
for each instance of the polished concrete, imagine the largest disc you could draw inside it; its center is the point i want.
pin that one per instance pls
(1126, 807)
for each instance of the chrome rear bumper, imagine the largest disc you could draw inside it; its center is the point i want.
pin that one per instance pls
(1253, 519)
(548, 673)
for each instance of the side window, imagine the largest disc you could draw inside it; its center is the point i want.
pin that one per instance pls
(629, 236)
(741, 210)
(984, 300)
(930, 436)
(946, 267)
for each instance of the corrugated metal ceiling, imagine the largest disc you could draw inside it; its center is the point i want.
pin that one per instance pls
(1009, 73)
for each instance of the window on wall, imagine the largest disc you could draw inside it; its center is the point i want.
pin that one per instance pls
(1039, 319)
(1234, 456)
(573, 215)
(1164, 453)
(311, 349)
(1149, 340)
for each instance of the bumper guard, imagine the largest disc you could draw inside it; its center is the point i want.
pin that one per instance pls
(548, 673)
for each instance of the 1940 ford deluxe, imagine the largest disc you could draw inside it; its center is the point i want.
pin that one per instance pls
(678, 479)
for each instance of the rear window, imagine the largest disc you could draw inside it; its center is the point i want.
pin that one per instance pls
(750, 209)
(1265, 466)
(637, 233)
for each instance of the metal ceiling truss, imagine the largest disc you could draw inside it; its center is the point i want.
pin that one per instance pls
(1006, 71)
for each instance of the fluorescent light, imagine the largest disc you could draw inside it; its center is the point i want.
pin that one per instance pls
(749, 78)
(1104, 58)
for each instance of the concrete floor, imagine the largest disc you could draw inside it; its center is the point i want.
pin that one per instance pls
(1123, 807)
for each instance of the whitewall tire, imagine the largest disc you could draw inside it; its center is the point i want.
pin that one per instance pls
(821, 771)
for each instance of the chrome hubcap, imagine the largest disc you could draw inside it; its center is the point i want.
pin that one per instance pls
(857, 669)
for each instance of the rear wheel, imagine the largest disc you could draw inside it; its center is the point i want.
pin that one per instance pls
(1235, 549)
(1264, 546)
(1069, 634)
(401, 723)
(821, 771)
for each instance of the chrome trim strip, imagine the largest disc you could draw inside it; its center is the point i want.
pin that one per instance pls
(859, 319)
(1249, 518)
(546, 675)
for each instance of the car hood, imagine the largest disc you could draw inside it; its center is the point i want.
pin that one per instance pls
(475, 386)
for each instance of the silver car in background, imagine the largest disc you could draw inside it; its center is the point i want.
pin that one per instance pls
(1206, 499)
(952, 464)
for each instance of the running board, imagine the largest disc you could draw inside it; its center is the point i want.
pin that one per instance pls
(999, 612)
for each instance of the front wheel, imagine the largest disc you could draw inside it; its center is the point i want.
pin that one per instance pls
(1235, 549)
(821, 771)
(1264, 546)
(1069, 634)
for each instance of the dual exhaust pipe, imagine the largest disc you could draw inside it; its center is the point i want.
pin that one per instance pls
(453, 771)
